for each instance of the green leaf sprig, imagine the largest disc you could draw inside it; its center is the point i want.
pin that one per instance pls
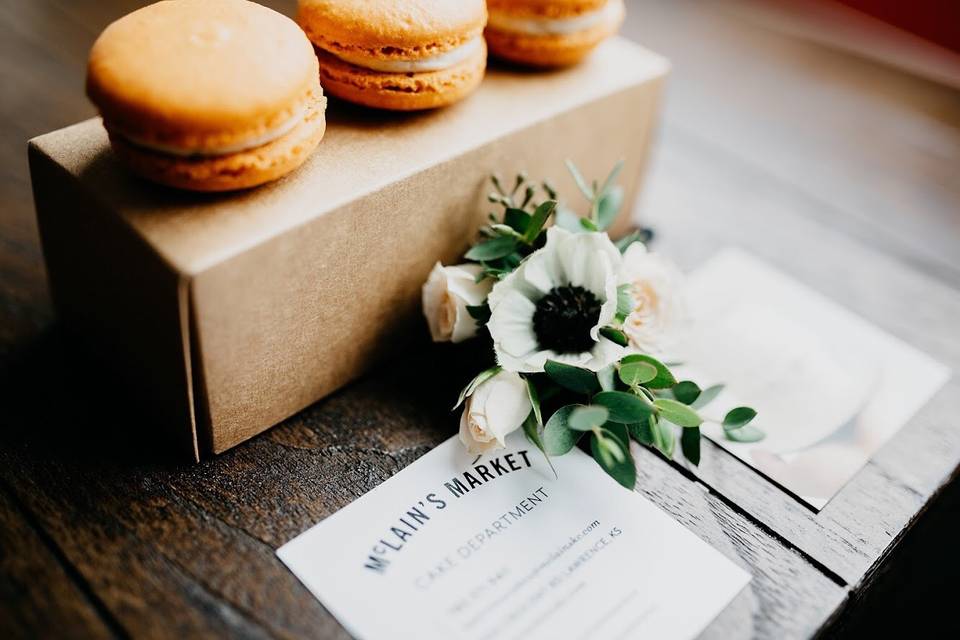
(637, 398)
(517, 231)
(605, 201)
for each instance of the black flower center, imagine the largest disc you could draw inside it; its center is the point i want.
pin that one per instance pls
(563, 319)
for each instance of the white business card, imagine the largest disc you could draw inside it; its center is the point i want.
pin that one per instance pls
(498, 547)
(829, 387)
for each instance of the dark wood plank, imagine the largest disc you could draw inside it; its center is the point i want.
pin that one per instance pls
(37, 597)
(189, 549)
(799, 142)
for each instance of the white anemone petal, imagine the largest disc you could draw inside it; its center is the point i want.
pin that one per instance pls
(604, 354)
(511, 324)
(540, 270)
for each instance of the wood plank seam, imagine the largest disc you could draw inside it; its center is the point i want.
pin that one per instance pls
(871, 574)
(189, 503)
(833, 625)
(81, 583)
(718, 450)
(746, 515)
(248, 616)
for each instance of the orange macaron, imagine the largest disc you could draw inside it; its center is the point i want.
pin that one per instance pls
(208, 95)
(550, 33)
(397, 54)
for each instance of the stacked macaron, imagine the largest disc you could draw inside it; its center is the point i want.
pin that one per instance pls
(214, 95)
(550, 33)
(208, 95)
(397, 54)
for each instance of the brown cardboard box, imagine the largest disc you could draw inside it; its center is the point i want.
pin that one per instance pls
(232, 312)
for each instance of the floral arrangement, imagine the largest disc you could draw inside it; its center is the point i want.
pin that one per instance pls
(578, 324)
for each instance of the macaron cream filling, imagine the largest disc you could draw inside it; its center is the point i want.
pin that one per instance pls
(439, 62)
(533, 26)
(267, 136)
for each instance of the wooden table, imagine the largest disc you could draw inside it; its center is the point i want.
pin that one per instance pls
(840, 171)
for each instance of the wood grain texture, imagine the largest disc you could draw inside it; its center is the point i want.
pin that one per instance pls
(787, 596)
(837, 170)
(194, 546)
(37, 596)
(875, 151)
(852, 531)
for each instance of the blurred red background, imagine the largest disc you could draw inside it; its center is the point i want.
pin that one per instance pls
(934, 20)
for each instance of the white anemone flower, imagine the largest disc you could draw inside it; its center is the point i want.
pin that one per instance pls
(554, 304)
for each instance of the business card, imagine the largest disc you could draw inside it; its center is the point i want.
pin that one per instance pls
(456, 546)
(829, 387)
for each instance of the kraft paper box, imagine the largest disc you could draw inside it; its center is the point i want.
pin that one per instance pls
(231, 312)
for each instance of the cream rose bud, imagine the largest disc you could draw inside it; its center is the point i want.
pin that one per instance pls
(446, 295)
(496, 408)
(659, 307)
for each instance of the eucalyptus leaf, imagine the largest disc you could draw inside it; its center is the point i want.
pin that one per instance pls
(503, 229)
(642, 431)
(495, 273)
(664, 379)
(614, 335)
(608, 207)
(534, 401)
(624, 302)
(636, 373)
(587, 418)
(746, 433)
(538, 219)
(624, 408)
(738, 417)
(492, 249)
(517, 219)
(558, 437)
(481, 377)
(677, 413)
(624, 243)
(612, 176)
(690, 444)
(579, 180)
(663, 438)
(620, 468)
(613, 447)
(480, 313)
(601, 453)
(575, 379)
(567, 218)
(533, 435)
(686, 392)
(707, 396)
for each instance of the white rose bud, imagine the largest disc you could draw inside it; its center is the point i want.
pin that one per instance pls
(496, 408)
(659, 308)
(446, 295)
